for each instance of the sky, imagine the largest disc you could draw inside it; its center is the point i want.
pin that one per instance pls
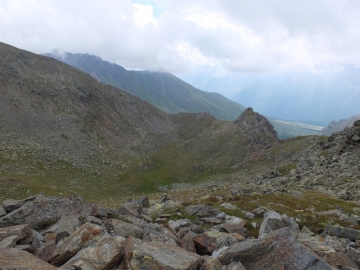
(184, 36)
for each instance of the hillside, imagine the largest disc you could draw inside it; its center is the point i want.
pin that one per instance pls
(161, 89)
(52, 112)
(63, 130)
(338, 126)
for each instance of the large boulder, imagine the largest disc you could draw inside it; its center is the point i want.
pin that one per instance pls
(104, 254)
(155, 255)
(273, 221)
(12, 258)
(279, 250)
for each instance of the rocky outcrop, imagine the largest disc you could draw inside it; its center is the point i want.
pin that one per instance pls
(329, 166)
(255, 123)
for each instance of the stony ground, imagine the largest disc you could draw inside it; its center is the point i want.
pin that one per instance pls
(209, 232)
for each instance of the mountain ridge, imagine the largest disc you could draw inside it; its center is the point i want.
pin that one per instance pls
(161, 89)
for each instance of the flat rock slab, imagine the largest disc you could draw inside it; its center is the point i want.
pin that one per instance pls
(12, 258)
(279, 250)
(155, 255)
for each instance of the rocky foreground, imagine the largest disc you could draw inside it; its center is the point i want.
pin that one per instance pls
(69, 233)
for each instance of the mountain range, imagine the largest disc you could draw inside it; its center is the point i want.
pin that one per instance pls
(62, 132)
(159, 88)
(315, 98)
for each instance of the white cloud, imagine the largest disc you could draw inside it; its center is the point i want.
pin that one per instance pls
(241, 35)
(143, 15)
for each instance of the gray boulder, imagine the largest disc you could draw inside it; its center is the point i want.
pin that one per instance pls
(273, 221)
(342, 232)
(279, 250)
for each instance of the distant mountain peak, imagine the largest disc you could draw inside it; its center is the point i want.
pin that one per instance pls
(59, 53)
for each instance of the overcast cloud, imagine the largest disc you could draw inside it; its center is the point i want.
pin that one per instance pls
(182, 36)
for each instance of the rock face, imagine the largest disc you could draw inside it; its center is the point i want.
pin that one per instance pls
(125, 241)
